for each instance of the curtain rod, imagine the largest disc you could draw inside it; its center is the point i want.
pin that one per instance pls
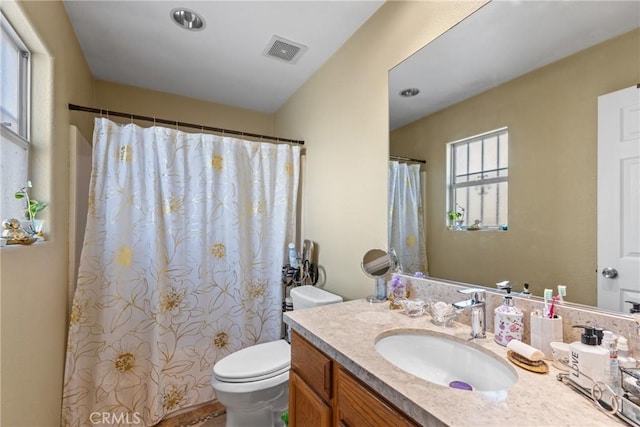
(74, 107)
(408, 159)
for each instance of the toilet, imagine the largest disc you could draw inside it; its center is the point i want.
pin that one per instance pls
(253, 383)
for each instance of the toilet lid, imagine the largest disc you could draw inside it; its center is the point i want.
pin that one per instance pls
(258, 362)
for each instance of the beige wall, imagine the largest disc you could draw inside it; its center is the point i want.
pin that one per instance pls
(33, 279)
(342, 114)
(129, 99)
(552, 116)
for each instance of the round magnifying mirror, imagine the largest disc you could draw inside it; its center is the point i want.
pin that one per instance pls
(376, 263)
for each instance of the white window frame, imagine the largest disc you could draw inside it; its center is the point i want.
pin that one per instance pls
(451, 179)
(19, 136)
(24, 82)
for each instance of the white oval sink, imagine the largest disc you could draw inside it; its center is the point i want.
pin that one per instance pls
(447, 360)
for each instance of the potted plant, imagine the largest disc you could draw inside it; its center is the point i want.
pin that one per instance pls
(456, 217)
(31, 210)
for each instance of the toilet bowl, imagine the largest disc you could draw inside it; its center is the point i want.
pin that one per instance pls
(253, 383)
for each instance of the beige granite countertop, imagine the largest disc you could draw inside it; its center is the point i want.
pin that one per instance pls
(347, 332)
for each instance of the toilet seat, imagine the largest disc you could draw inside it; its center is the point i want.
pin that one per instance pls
(255, 363)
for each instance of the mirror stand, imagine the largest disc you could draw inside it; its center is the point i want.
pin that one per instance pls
(376, 263)
(381, 291)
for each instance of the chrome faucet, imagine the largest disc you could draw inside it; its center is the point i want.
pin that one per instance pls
(478, 311)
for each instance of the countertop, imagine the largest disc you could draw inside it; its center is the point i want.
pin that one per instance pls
(348, 331)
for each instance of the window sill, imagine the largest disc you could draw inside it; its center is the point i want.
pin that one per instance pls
(5, 245)
(465, 229)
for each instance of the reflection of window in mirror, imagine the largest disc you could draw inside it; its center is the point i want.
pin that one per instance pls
(477, 184)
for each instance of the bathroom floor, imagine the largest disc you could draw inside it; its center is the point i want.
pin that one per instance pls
(207, 415)
(218, 421)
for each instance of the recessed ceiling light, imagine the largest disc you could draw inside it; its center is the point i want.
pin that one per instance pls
(187, 19)
(408, 93)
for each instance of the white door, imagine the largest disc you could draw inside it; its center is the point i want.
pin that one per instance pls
(619, 199)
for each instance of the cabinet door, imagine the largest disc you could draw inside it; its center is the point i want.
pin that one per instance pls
(357, 406)
(313, 366)
(306, 409)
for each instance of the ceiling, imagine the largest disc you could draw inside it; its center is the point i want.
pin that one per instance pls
(501, 41)
(137, 43)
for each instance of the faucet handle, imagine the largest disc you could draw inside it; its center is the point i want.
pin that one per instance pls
(471, 291)
(504, 285)
(479, 295)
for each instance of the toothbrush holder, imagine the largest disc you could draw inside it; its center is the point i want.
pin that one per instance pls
(544, 331)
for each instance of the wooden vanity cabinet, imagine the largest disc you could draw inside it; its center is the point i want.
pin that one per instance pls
(322, 393)
(305, 407)
(310, 385)
(356, 405)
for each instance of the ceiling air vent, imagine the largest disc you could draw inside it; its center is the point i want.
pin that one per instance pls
(284, 50)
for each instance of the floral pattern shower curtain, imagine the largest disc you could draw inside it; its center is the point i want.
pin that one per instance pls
(186, 236)
(406, 217)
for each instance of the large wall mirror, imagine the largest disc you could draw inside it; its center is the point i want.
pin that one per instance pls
(536, 68)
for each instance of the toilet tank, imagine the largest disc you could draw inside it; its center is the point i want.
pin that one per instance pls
(309, 296)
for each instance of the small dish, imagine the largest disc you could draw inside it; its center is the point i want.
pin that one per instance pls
(413, 307)
(560, 351)
(442, 314)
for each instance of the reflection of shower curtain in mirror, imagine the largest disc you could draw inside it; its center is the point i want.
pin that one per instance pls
(406, 217)
(185, 240)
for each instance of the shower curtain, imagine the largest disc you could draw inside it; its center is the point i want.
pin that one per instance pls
(406, 217)
(185, 240)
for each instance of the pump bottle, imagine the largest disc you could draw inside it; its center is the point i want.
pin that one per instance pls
(508, 321)
(588, 360)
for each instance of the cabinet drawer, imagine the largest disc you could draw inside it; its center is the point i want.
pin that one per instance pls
(358, 406)
(313, 366)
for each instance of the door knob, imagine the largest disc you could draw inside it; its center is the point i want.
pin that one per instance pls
(610, 273)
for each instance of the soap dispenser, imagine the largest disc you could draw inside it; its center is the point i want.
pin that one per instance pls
(508, 321)
(587, 359)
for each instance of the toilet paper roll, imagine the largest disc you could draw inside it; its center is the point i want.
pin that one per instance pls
(525, 350)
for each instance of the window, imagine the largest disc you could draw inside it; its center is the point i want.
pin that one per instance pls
(14, 118)
(478, 172)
